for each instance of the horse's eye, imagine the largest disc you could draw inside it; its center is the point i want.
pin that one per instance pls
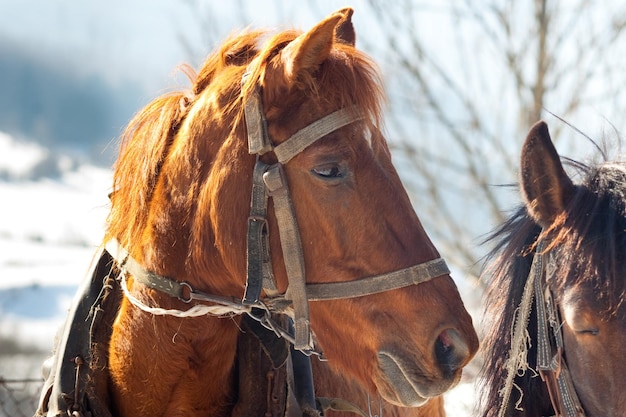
(590, 332)
(580, 318)
(328, 171)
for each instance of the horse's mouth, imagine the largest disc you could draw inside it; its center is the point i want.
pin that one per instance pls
(403, 383)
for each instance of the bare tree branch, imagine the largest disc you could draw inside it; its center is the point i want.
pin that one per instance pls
(467, 79)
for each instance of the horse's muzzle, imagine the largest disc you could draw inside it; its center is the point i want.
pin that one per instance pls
(407, 381)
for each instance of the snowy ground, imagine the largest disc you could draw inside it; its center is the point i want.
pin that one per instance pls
(49, 230)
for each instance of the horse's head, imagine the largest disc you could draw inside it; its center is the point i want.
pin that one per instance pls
(585, 232)
(355, 220)
(353, 217)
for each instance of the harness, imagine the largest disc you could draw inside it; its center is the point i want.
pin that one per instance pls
(277, 316)
(269, 181)
(71, 374)
(551, 364)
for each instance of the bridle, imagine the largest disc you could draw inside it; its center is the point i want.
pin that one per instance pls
(269, 181)
(551, 364)
(284, 314)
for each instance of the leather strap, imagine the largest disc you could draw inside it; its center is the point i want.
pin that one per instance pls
(275, 182)
(270, 181)
(300, 140)
(291, 245)
(276, 186)
(259, 272)
(168, 286)
(65, 389)
(401, 278)
(177, 289)
(413, 275)
(258, 140)
(518, 354)
(550, 362)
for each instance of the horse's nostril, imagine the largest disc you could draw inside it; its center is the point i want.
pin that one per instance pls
(451, 350)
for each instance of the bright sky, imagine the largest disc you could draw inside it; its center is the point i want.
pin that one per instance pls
(141, 39)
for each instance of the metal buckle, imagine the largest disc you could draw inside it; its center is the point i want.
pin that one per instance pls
(189, 289)
(263, 315)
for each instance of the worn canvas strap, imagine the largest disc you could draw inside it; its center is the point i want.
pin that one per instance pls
(181, 290)
(270, 181)
(306, 136)
(258, 141)
(550, 365)
(518, 353)
(412, 275)
(292, 253)
(259, 268)
(550, 362)
(275, 182)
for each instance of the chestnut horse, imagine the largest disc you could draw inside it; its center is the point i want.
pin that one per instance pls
(336, 214)
(561, 354)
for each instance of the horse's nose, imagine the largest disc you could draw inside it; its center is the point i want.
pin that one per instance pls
(451, 350)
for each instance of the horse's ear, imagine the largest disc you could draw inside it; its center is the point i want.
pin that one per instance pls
(309, 50)
(546, 188)
(344, 32)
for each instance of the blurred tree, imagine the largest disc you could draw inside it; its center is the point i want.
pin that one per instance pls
(466, 80)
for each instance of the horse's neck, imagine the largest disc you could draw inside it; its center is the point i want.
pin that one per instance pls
(168, 363)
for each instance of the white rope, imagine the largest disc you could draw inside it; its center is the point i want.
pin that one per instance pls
(195, 311)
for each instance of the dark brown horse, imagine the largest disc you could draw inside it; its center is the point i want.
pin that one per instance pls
(336, 213)
(556, 298)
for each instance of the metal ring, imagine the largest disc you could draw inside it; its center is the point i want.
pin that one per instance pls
(182, 297)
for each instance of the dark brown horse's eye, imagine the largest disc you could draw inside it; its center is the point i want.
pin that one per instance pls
(589, 332)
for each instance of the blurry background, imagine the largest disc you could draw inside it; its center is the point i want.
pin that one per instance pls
(465, 80)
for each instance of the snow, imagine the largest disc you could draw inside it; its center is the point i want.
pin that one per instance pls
(49, 232)
(18, 158)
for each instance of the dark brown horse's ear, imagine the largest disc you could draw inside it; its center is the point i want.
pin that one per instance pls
(344, 32)
(546, 188)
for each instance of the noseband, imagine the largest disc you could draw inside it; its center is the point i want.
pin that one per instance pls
(269, 181)
(551, 364)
